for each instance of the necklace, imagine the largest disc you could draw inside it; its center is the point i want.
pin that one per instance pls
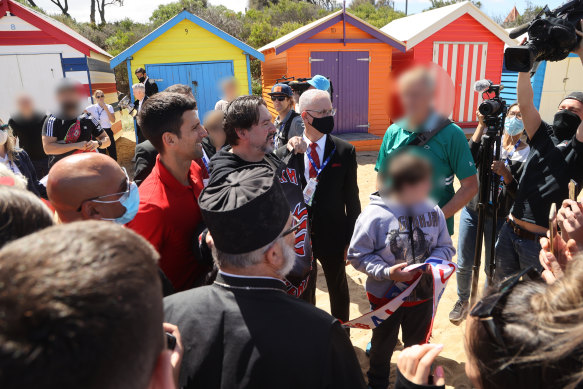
(247, 287)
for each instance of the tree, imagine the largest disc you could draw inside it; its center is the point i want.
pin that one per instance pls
(64, 6)
(528, 15)
(101, 4)
(377, 15)
(92, 13)
(442, 3)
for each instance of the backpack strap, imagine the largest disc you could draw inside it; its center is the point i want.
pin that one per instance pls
(285, 132)
(424, 137)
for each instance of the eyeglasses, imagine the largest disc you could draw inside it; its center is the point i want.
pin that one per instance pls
(99, 96)
(121, 195)
(326, 112)
(296, 225)
(485, 308)
(517, 115)
(278, 98)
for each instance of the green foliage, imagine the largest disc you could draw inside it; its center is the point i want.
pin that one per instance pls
(376, 15)
(443, 3)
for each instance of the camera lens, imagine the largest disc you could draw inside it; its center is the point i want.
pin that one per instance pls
(490, 108)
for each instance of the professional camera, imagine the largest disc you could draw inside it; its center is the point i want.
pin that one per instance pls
(300, 85)
(494, 108)
(552, 36)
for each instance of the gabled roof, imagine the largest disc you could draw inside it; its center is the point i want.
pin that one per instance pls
(305, 32)
(174, 21)
(416, 28)
(50, 26)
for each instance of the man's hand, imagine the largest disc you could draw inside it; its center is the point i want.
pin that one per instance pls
(397, 274)
(500, 168)
(570, 221)
(415, 362)
(297, 144)
(178, 352)
(91, 145)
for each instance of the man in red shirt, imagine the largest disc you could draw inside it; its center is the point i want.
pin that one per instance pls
(169, 216)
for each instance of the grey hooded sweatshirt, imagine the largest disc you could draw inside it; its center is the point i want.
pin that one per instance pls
(382, 238)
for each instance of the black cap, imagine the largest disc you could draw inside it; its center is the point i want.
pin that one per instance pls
(246, 210)
(575, 96)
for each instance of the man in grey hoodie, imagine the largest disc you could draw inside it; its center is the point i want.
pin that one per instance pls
(399, 228)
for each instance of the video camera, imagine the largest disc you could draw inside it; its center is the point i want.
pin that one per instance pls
(551, 36)
(300, 85)
(494, 108)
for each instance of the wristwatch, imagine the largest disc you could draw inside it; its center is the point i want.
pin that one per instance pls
(99, 143)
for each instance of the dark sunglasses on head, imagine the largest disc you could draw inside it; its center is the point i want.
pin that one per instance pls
(485, 309)
(278, 98)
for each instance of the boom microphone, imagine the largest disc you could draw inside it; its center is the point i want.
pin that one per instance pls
(482, 85)
(518, 31)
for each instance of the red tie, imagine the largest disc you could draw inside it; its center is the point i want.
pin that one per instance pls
(315, 159)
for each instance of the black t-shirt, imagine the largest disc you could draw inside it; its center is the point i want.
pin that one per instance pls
(79, 129)
(546, 174)
(28, 131)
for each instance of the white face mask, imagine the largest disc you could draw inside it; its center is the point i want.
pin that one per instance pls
(3, 137)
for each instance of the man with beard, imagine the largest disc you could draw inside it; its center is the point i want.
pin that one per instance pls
(556, 157)
(251, 134)
(169, 215)
(244, 331)
(70, 131)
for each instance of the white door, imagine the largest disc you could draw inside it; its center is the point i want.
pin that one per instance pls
(465, 62)
(35, 74)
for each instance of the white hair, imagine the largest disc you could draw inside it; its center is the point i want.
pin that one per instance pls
(307, 98)
(20, 181)
(139, 85)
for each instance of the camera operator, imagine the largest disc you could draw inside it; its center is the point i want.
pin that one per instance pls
(555, 158)
(513, 154)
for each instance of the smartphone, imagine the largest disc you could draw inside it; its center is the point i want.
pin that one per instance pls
(573, 190)
(170, 341)
(553, 227)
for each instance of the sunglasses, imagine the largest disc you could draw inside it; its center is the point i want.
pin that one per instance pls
(278, 98)
(487, 307)
(99, 96)
(121, 195)
(296, 225)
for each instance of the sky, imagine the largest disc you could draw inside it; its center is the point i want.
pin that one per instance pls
(140, 10)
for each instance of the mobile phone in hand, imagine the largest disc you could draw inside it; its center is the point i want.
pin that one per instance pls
(170, 341)
(553, 227)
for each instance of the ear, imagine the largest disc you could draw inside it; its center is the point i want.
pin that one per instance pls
(89, 211)
(169, 139)
(241, 133)
(274, 256)
(162, 376)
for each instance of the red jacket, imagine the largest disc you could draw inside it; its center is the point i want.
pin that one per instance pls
(168, 218)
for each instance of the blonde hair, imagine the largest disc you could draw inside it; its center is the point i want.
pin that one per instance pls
(10, 145)
(20, 182)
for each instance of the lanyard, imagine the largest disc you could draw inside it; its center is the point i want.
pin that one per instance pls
(205, 160)
(511, 153)
(311, 161)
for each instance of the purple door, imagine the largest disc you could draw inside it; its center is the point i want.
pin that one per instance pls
(348, 72)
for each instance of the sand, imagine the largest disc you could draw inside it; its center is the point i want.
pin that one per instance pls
(452, 357)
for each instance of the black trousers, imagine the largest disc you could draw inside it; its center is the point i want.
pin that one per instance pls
(111, 150)
(334, 267)
(414, 321)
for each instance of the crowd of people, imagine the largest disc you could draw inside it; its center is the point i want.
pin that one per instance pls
(198, 268)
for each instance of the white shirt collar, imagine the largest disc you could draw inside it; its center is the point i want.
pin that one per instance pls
(240, 276)
(320, 142)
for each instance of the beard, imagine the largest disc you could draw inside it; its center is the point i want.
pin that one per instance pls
(289, 257)
(269, 145)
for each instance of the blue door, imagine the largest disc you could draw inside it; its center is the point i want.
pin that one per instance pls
(203, 77)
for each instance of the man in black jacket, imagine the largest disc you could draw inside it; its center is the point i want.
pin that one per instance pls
(151, 86)
(244, 331)
(328, 175)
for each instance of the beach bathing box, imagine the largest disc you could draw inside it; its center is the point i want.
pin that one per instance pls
(461, 39)
(188, 50)
(36, 51)
(355, 56)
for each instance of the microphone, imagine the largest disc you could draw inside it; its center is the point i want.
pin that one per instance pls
(518, 31)
(482, 85)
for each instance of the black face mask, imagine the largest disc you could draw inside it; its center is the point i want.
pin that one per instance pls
(141, 79)
(324, 125)
(565, 124)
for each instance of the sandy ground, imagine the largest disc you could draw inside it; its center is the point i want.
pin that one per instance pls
(452, 358)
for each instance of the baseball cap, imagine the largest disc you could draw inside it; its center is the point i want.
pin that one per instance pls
(320, 82)
(281, 90)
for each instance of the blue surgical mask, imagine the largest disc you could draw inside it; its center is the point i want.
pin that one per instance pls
(513, 126)
(131, 202)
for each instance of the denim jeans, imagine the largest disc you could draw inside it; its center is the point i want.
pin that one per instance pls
(466, 248)
(514, 253)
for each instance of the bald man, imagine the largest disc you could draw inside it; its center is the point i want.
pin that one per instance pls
(92, 186)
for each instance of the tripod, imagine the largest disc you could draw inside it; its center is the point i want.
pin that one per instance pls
(487, 202)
